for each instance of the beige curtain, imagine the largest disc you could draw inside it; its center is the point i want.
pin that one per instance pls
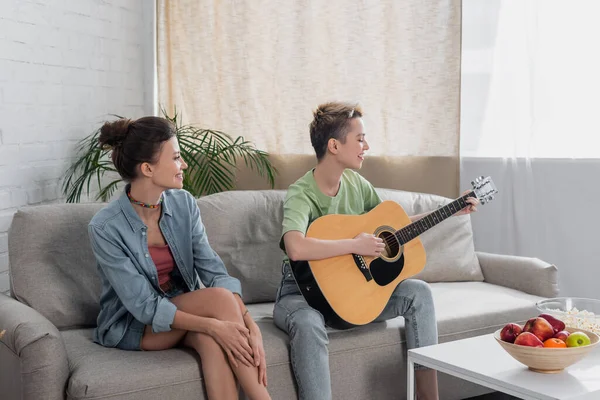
(258, 68)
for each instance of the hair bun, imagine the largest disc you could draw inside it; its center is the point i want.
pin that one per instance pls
(318, 113)
(112, 134)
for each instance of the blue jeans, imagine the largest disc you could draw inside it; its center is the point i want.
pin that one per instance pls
(305, 326)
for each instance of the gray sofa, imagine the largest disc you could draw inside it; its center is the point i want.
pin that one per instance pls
(47, 351)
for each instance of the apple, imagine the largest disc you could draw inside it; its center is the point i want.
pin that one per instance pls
(557, 324)
(577, 339)
(562, 335)
(528, 324)
(540, 328)
(528, 339)
(510, 332)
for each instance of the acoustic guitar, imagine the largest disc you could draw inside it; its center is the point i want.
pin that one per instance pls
(352, 290)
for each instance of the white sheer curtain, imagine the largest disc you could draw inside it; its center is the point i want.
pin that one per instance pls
(530, 83)
(542, 67)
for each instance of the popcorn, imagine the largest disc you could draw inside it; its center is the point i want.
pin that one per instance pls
(575, 318)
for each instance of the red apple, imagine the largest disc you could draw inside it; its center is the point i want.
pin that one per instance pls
(528, 325)
(528, 339)
(557, 324)
(540, 328)
(510, 332)
(562, 335)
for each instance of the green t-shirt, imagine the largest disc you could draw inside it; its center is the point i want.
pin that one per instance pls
(305, 202)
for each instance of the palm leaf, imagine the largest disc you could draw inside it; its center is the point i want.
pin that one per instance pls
(87, 167)
(207, 173)
(108, 190)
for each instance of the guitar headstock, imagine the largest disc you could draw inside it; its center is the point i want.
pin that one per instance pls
(484, 189)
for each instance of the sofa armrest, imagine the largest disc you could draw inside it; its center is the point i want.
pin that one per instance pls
(529, 275)
(32, 350)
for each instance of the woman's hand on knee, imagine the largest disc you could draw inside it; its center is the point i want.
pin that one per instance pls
(258, 351)
(233, 338)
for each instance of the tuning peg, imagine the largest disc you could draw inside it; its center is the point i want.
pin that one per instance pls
(482, 201)
(472, 183)
(482, 178)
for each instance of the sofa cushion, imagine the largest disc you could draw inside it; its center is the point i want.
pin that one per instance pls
(363, 354)
(52, 266)
(244, 228)
(448, 245)
(171, 374)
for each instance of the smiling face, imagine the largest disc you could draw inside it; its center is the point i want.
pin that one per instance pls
(167, 171)
(351, 152)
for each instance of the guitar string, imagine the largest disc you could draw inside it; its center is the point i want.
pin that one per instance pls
(400, 234)
(405, 234)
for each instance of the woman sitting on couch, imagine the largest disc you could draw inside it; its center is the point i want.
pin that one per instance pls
(151, 246)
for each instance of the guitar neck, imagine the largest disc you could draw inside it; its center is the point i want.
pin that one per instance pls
(411, 231)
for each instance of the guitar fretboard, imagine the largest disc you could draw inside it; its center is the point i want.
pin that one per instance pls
(411, 231)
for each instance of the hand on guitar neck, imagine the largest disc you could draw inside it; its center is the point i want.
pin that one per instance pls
(470, 208)
(472, 201)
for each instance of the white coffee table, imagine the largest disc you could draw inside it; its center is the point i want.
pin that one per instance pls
(481, 360)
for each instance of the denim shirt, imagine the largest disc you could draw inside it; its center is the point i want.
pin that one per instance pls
(129, 277)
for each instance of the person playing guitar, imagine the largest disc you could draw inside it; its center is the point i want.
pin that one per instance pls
(334, 187)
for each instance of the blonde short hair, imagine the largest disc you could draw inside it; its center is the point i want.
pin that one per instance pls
(330, 121)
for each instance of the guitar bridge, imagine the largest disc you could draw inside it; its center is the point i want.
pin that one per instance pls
(362, 266)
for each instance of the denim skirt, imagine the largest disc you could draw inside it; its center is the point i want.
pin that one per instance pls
(132, 340)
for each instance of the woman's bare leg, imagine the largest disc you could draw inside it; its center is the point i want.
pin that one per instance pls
(215, 303)
(221, 304)
(161, 341)
(219, 378)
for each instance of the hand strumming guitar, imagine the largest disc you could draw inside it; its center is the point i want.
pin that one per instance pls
(367, 244)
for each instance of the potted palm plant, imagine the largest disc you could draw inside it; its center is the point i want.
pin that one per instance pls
(212, 157)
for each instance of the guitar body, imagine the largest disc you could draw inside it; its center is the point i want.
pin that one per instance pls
(352, 290)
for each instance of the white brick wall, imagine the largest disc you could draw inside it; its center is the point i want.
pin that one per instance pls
(65, 65)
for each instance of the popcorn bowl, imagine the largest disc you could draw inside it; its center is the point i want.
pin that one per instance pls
(575, 312)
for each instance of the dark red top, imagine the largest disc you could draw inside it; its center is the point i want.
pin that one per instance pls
(163, 259)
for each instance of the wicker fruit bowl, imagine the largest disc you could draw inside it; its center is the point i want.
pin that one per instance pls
(549, 360)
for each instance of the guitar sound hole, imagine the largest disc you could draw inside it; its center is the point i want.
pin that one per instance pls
(392, 247)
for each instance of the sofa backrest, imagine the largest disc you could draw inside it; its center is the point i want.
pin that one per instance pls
(53, 269)
(52, 266)
(244, 228)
